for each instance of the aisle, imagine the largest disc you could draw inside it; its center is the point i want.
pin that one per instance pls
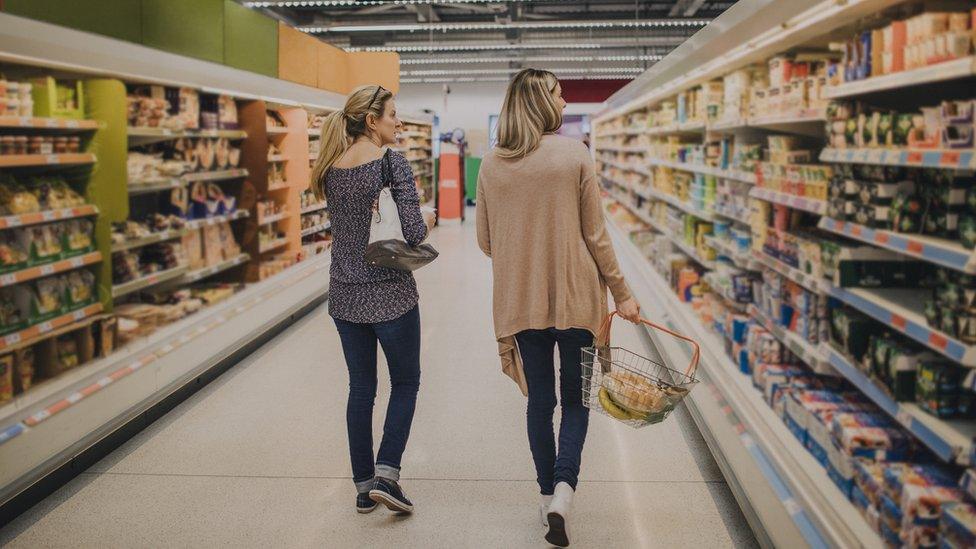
(258, 458)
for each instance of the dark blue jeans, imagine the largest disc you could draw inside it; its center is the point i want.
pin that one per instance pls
(400, 339)
(536, 348)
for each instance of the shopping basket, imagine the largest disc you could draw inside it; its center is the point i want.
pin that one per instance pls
(630, 388)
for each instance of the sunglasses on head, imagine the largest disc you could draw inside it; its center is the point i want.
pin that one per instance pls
(375, 95)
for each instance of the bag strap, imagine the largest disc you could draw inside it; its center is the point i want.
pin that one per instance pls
(387, 170)
(603, 339)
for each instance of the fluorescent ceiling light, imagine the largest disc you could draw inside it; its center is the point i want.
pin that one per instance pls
(568, 70)
(452, 27)
(339, 3)
(530, 59)
(448, 79)
(476, 47)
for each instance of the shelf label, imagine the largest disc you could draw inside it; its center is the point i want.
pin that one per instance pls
(51, 159)
(50, 123)
(45, 327)
(72, 124)
(78, 315)
(46, 270)
(48, 215)
(898, 321)
(938, 341)
(881, 238)
(12, 339)
(856, 230)
(915, 247)
(24, 121)
(8, 279)
(77, 262)
(949, 159)
(914, 157)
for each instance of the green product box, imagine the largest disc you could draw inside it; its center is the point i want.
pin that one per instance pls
(852, 331)
(937, 387)
(58, 98)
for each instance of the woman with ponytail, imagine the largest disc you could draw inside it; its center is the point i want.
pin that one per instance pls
(371, 304)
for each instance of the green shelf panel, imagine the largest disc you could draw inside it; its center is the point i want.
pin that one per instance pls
(107, 187)
(250, 40)
(471, 166)
(187, 27)
(120, 19)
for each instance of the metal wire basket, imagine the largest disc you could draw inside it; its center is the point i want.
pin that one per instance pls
(633, 389)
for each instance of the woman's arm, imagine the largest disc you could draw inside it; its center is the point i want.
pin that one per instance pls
(481, 214)
(595, 233)
(404, 190)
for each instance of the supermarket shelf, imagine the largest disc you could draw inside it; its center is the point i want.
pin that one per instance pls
(47, 216)
(677, 241)
(315, 208)
(208, 221)
(948, 159)
(729, 215)
(414, 134)
(273, 218)
(741, 260)
(31, 160)
(316, 229)
(38, 271)
(818, 207)
(737, 175)
(272, 245)
(947, 253)
(641, 149)
(147, 132)
(899, 309)
(687, 208)
(236, 173)
(728, 125)
(625, 131)
(810, 282)
(161, 236)
(199, 274)
(625, 167)
(678, 128)
(949, 70)
(730, 302)
(68, 124)
(786, 122)
(788, 490)
(34, 333)
(950, 440)
(155, 185)
(119, 290)
(812, 355)
(277, 130)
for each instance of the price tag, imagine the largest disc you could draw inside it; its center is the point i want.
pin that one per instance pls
(914, 157)
(50, 122)
(12, 339)
(949, 159)
(45, 327)
(105, 381)
(13, 221)
(52, 159)
(898, 321)
(76, 262)
(915, 247)
(881, 238)
(73, 124)
(856, 230)
(46, 270)
(78, 315)
(938, 341)
(875, 156)
(8, 279)
(73, 398)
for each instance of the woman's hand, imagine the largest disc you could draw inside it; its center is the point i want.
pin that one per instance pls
(629, 310)
(429, 219)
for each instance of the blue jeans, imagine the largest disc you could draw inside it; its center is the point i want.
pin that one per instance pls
(536, 348)
(400, 339)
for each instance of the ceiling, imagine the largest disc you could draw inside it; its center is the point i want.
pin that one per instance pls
(489, 40)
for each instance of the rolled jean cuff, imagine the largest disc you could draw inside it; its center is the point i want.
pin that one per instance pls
(363, 486)
(388, 472)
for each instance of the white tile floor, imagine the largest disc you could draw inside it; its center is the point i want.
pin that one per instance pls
(258, 458)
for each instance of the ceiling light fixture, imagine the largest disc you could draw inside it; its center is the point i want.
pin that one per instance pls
(453, 27)
(476, 47)
(448, 79)
(358, 3)
(530, 59)
(566, 70)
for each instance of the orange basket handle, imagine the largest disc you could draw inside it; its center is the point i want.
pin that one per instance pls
(603, 338)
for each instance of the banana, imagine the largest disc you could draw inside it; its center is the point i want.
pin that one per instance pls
(611, 407)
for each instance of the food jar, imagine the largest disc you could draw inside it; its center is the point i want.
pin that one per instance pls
(60, 145)
(47, 145)
(25, 91)
(34, 145)
(12, 107)
(7, 145)
(26, 107)
(74, 144)
(21, 145)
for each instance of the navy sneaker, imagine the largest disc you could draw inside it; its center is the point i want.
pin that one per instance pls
(364, 504)
(388, 493)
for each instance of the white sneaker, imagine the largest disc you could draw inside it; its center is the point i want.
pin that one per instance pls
(544, 510)
(558, 515)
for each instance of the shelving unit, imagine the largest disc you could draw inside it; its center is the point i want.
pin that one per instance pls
(148, 281)
(416, 142)
(47, 269)
(754, 116)
(37, 160)
(47, 216)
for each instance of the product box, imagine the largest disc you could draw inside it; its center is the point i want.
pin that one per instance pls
(23, 369)
(61, 353)
(869, 478)
(937, 387)
(6, 377)
(871, 436)
(851, 331)
(867, 509)
(922, 505)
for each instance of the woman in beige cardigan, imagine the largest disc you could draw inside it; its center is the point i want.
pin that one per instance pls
(540, 219)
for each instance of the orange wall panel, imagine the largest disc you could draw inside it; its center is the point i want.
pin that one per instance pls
(368, 68)
(297, 56)
(332, 68)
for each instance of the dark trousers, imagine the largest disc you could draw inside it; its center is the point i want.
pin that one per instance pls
(537, 350)
(400, 339)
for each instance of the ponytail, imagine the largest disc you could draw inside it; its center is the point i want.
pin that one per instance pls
(342, 127)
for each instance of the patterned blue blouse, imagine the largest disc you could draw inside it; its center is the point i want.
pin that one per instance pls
(359, 292)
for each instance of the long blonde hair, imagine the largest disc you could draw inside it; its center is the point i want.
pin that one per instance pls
(341, 128)
(529, 111)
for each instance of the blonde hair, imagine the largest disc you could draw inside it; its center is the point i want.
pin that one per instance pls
(341, 128)
(529, 112)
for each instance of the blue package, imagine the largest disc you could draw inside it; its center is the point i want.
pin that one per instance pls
(844, 484)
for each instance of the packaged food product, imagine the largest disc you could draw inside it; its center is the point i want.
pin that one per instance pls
(937, 386)
(81, 287)
(23, 369)
(871, 436)
(922, 505)
(6, 377)
(78, 236)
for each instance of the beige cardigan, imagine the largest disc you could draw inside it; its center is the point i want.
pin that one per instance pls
(540, 219)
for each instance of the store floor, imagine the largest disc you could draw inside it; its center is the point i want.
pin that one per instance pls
(258, 458)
